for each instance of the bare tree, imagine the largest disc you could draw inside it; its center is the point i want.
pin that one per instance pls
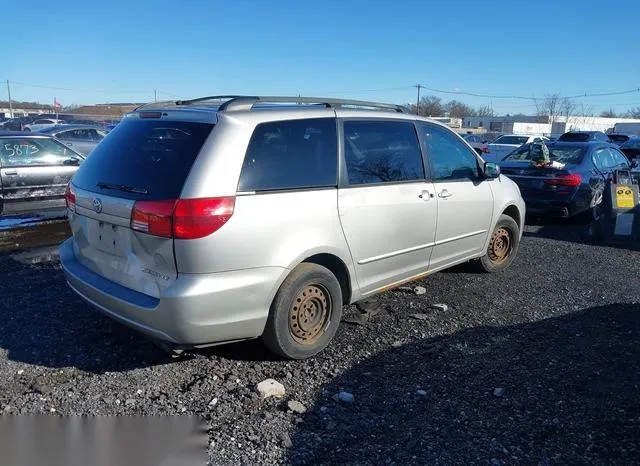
(430, 105)
(633, 113)
(608, 113)
(549, 107)
(484, 111)
(567, 107)
(457, 109)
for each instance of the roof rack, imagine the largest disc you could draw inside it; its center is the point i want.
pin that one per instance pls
(242, 102)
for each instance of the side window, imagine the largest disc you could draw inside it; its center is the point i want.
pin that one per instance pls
(619, 159)
(95, 135)
(291, 154)
(382, 152)
(603, 159)
(451, 160)
(33, 152)
(65, 135)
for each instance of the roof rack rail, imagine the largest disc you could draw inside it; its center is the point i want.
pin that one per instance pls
(229, 103)
(245, 102)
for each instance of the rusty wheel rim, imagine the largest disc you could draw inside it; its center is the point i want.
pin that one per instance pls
(309, 314)
(500, 246)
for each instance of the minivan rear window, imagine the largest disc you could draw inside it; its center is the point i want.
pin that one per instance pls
(153, 157)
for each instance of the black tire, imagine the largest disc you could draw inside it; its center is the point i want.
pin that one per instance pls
(493, 260)
(305, 313)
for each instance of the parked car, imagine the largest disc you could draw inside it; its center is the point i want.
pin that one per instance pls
(477, 142)
(620, 138)
(208, 221)
(572, 188)
(631, 149)
(16, 124)
(34, 172)
(583, 136)
(42, 123)
(507, 143)
(83, 138)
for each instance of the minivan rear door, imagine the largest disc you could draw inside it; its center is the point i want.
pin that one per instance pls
(142, 159)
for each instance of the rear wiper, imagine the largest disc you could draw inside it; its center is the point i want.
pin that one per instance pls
(121, 187)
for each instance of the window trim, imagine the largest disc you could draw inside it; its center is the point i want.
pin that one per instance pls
(343, 176)
(300, 188)
(479, 162)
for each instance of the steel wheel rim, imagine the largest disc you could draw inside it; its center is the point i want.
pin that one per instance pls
(309, 314)
(500, 246)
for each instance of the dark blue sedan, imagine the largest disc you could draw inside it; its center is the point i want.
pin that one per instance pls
(571, 184)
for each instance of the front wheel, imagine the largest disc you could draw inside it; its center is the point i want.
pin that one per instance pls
(503, 246)
(305, 313)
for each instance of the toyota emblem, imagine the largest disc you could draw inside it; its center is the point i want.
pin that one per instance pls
(97, 205)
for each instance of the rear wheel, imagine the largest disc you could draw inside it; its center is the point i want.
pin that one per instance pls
(503, 246)
(305, 313)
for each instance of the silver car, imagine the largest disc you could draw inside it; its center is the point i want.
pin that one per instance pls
(223, 219)
(83, 138)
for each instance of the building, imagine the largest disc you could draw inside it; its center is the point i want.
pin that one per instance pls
(535, 125)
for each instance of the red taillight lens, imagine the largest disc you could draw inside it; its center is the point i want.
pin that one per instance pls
(485, 150)
(70, 197)
(153, 217)
(182, 219)
(565, 180)
(197, 218)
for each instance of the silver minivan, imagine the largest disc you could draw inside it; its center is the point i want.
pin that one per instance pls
(228, 218)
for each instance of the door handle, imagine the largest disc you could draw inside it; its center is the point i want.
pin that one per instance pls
(425, 195)
(11, 172)
(444, 194)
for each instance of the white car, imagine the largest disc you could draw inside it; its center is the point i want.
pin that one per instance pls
(42, 123)
(506, 144)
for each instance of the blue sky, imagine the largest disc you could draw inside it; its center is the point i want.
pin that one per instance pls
(370, 49)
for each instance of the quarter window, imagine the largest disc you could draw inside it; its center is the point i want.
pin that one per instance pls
(451, 160)
(291, 154)
(382, 152)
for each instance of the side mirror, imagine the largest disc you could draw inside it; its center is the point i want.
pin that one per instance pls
(491, 170)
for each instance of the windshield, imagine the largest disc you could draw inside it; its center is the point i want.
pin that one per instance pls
(515, 140)
(567, 155)
(150, 155)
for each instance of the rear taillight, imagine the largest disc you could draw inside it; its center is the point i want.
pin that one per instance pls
(182, 219)
(70, 197)
(197, 218)
(565, 180)
(153, 217)
(485, 150)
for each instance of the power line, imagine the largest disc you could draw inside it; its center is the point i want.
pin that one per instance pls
(534, 98)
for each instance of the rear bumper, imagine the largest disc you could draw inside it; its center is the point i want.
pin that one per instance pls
(556, 208)
(197, 309)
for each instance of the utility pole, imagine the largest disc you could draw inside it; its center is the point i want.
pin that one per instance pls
(155, 95)
(10, 104)
(418, 86)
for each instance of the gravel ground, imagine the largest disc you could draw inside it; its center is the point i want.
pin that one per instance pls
(536, 365)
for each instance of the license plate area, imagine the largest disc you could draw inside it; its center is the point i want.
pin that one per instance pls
(106, 237)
